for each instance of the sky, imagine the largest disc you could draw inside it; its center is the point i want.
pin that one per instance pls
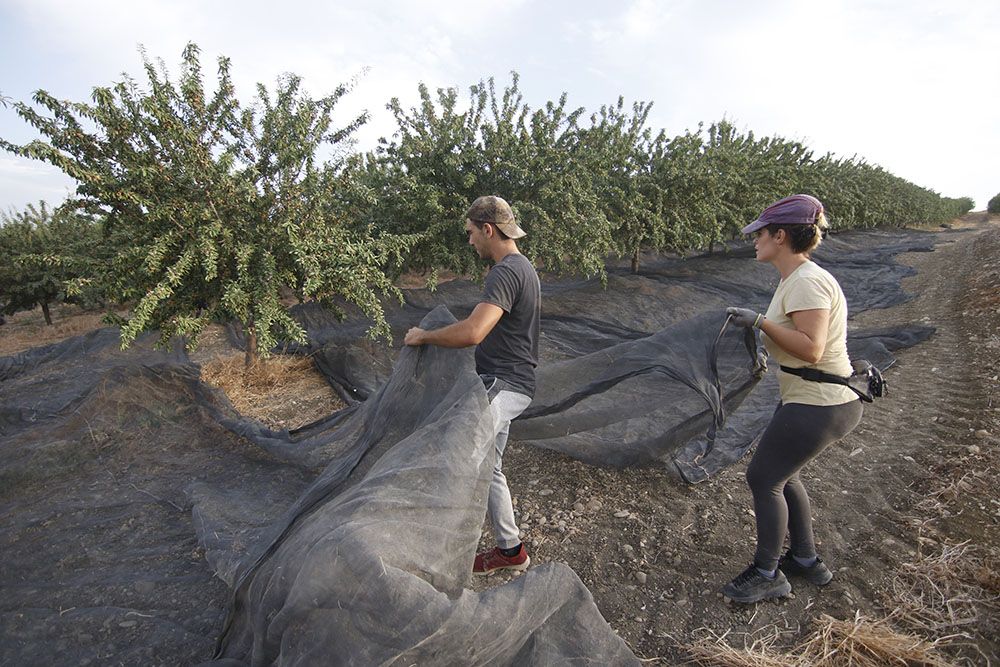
(911, 85)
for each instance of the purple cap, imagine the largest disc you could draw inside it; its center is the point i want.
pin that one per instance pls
(794, 210)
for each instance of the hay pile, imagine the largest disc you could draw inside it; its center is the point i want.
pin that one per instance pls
(860, 642)
(283, 392)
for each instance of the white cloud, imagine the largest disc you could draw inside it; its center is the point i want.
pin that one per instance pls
(910, 85)
(24, 182)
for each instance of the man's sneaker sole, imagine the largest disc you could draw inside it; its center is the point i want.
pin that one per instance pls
(520, 567)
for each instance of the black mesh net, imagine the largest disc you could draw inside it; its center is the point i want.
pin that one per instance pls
(351, 539)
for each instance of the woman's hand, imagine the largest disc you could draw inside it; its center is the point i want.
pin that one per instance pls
(745, 317)
(760, 363)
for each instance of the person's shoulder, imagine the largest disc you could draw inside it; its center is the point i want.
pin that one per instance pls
(517, 263)
(516, 259)
(813, 272)
(811, 277)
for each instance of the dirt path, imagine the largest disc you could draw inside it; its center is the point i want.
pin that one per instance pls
(919, 472)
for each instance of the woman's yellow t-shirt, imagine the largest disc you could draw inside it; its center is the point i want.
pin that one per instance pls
(811, 287)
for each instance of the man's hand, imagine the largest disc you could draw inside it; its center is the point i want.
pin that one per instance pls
(414, 336)
(464, 333)
(745, 317)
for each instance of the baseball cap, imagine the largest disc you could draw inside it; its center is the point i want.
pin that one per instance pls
(794, 210)
(495, 211)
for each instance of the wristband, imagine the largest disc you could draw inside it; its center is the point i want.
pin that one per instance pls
(756, 322)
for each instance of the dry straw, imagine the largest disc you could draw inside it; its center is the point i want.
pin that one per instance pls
(861, 642)
(948, 595)
(281, 392)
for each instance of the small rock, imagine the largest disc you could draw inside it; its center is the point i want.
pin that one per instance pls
(641, 577)
(144, 587)
(578, 507)
(621, 514)
(594, 505)
(973, 449)
(982, 433)
(706, 593)
(545, 492)
(127, 624)
(682, 602)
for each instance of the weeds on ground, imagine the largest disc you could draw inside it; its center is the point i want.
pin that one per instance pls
(860, 642)
(948, 594)
(24, 331)
(281, 392)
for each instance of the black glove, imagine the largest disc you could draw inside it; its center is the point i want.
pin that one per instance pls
(745, 317)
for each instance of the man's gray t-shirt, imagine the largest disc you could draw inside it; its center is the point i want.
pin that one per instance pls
(510, 350)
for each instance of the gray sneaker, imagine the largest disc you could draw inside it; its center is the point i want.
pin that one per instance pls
(752, 586)
(818, 573)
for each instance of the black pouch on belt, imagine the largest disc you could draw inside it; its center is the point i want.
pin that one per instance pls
(876, 384)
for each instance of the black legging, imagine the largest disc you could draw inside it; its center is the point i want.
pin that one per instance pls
(796, 435)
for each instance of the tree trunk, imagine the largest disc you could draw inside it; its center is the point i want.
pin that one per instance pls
(45, 312)
(635, 260)
(251, 352)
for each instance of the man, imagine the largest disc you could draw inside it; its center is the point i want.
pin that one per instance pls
(504, 328)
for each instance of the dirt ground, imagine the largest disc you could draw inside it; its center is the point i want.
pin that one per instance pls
(905, 507)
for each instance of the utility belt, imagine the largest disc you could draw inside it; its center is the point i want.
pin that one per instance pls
(877, 386)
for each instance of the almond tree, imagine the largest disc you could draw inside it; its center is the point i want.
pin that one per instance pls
(213, 208)
(46, 257)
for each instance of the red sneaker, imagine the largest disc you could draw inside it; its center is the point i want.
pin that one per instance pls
(493, 560)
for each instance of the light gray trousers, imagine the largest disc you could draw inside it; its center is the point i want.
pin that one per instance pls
(505, 405)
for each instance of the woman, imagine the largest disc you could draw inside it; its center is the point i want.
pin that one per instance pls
(804, 327)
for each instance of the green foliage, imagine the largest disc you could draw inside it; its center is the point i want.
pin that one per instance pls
(445, 156)
(993, 207)
(47, 257)
(585, 191)
(209, 209)
(213, 208)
